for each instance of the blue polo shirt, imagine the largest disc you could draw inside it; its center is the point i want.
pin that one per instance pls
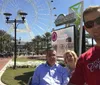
(46, 75)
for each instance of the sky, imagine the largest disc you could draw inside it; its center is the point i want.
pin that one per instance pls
(40, 18)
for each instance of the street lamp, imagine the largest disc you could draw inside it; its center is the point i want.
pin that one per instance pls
(15, 21)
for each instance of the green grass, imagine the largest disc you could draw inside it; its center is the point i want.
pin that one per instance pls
(19, 76)
(24, 59)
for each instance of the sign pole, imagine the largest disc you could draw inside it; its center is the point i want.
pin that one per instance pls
(81, 31)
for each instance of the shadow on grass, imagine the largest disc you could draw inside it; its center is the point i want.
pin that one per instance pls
(23, 79)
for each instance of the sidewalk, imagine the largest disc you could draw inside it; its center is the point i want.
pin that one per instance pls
(3, 65)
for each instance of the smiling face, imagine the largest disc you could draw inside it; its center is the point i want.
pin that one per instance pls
(69, 58)
(51, 57)
(94, 18)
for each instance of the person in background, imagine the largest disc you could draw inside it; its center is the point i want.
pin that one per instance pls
(50, 73)
(70, 60)
(88, 66)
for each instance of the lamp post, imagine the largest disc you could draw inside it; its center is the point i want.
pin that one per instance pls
(15, 21)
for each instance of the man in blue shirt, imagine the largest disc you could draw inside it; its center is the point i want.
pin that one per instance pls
(50, 73)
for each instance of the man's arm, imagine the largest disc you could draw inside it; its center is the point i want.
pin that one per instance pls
(35, 78)
(77, 77)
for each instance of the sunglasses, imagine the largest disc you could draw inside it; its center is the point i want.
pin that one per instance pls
(90, 24)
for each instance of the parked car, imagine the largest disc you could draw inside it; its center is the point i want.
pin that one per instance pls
(1, 55)
(6, 54)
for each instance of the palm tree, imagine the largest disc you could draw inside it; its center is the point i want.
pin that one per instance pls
(47, 37)
(5, 41)
(37, 44)
(41, 43)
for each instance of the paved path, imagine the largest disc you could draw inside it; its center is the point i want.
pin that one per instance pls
(3, 64)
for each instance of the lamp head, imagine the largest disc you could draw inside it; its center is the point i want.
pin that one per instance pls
(55, 15)
(7, 16)
(54, 8)
(23, 14)
(51, 0)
